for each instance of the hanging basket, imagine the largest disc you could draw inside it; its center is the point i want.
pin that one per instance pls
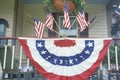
(59, 5)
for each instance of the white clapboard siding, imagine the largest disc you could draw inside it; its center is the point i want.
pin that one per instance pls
(7, 13)
(99, 27)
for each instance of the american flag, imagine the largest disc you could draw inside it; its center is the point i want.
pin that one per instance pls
(49, 19)
(66, 21)
(39, 28)
(91, 20)
(81, 20)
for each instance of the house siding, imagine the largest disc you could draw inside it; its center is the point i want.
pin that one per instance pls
(35, 10)
(99, 27)
(7, 13)
(25, 26)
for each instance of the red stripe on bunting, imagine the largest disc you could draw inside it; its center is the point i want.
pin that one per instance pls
(65, 43)
(83, 76)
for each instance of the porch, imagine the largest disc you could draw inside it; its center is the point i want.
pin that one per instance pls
(16, 66)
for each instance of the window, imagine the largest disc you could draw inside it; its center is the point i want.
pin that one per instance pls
(2, 30)
(73, 32)
(3, 25)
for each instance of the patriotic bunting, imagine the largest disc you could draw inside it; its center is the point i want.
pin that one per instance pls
(66, 59)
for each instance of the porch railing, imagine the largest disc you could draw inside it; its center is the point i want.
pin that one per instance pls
(16, 65)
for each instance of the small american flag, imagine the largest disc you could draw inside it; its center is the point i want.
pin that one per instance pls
(49, 19)
(39, 28)
(91, 20)
(66, 21)
(81, 20)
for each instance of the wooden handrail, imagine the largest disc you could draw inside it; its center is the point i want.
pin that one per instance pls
(56, 37)
(8, 38)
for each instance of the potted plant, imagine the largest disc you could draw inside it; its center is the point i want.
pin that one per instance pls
(74, 6)
(59, 5)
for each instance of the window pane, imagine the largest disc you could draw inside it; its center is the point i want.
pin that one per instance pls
(2, 29)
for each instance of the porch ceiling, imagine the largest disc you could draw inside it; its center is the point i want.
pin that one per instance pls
(88, 1)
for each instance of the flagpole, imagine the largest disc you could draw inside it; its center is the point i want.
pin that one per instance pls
(57, 32)
(58, 28)
(79, 28)
(73, 22)
(56, 24)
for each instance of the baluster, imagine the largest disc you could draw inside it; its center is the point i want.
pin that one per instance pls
(4, 62)
(20, 62)
(27, 74)
(101, 72)
(116, 59)
(13, 54)
(36, 75)
(43, 78)
(109, 71)
(93, 77)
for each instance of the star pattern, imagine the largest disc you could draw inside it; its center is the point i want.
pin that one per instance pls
(87, 52)
(43, 52)
(66, 60)
(90, 44)
(39, 44)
